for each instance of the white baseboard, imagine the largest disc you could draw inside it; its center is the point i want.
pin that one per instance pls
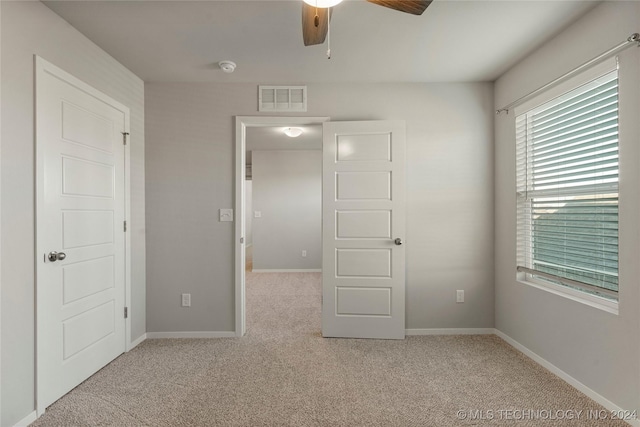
(566, 377)
(302, 270)
(194, 334)
(27, 420)
(137, 342)
(451, 331)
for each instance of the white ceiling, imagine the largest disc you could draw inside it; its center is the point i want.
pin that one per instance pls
(184, 40)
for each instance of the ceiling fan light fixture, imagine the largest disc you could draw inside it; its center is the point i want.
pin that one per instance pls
(293, 132)
(322, 4)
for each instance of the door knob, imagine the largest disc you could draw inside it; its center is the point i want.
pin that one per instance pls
(398, 241)
(56, 256)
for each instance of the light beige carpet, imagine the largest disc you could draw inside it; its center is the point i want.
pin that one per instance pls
(283, 373)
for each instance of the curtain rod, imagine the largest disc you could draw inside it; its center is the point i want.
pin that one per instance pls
(633, 38)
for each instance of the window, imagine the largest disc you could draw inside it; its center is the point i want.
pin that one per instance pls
(567, 188)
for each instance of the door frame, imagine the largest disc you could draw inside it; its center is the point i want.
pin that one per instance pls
(42, 66)
(242, 123)
(0, 215)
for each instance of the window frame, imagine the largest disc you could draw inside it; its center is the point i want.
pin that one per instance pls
(601, 302)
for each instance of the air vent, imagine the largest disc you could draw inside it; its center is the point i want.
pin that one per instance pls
(282, 98)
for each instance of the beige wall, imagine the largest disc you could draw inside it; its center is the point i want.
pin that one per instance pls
(599, 349)
(287, 190)
(30, 28)
(190, 174)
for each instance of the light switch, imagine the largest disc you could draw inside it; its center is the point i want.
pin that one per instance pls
(257, 214)
(226, 215)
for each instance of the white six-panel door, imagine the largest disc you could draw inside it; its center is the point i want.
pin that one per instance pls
(363, 267)
(80, 214)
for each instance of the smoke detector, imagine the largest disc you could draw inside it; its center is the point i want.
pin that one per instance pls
(227, 66)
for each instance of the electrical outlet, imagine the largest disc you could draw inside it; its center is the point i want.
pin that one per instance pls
(257, 214)
(304, 253)
(186, 300)
(459, 296)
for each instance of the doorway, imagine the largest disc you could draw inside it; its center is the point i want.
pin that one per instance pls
(363, 225)
(243, 127)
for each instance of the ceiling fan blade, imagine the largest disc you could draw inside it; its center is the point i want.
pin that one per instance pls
(310, 33)
(414, 7)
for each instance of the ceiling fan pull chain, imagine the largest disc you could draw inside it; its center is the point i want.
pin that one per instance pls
(329, 33)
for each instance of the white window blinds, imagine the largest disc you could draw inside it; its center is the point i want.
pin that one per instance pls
(567, 188)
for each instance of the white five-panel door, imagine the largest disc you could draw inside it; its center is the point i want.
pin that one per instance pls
(363, 258)
(80, 258)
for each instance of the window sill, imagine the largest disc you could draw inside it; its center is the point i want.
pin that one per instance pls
(610, 306)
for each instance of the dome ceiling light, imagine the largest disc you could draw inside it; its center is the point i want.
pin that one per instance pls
(293, 132)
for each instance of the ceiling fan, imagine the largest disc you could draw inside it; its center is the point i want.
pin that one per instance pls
(316, 15)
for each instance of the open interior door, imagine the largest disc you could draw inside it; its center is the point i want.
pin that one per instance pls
(363, 256)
